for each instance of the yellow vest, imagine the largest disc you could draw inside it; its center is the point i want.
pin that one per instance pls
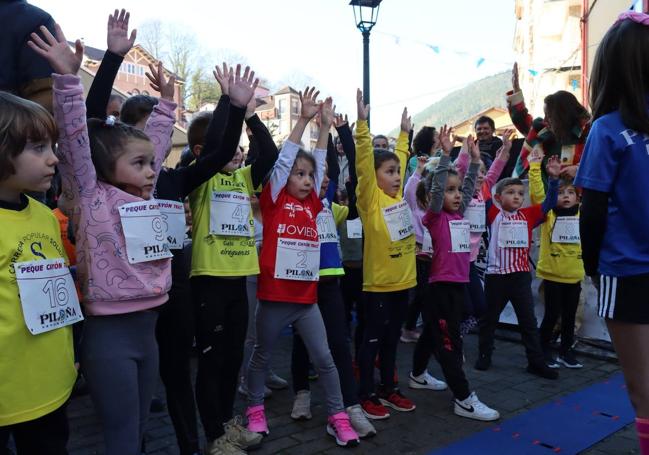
(36, 371)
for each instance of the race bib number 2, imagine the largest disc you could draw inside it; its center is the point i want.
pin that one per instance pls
(47, 295)
(297, 260)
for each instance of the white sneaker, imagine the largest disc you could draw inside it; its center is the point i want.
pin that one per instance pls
(409, 336)
(473, 408)
(302, 406)
(223, 446)
(425, 381)
(360, 423)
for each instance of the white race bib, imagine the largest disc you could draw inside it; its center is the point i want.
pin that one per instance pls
(398, 221)
(460, 236)
(47, 295)
(566, 230)
(230, 214)
(513, 234)
(144, 232)
(476, 215)
(297, 260)
(173, 220)
(354, 229)
(327, 232)
(427, 243)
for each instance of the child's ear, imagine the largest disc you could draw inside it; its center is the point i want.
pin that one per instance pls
(197, 149)
(497, 198)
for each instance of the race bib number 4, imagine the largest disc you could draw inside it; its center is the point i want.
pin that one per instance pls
(297, 260)
(354, 229)
(47, 295)
(173, 221)
(460, 236)
(513, 234)
(144, 231)
(566, 230)
(398, 221)
(230, 214)
(476, 215)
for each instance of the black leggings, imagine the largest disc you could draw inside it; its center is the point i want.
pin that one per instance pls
(561, 299)
(221, 306)
(418, 294)
(442, 311)
(332, 309)
(384, 316)
(47, 435)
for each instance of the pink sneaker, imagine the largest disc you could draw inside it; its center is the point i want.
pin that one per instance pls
(257, 420)
(340, 427)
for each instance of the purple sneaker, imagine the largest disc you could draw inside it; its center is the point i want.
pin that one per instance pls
(339, 426)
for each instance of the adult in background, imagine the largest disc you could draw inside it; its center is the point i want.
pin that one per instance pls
(488, 144)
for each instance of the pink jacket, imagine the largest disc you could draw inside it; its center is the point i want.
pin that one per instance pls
(410, 195)
(110, 285)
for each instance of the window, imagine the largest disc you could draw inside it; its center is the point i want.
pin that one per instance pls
(295, 107)
(140, 70)
(130, 68)
(282, 107)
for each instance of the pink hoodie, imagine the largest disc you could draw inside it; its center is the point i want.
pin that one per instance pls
(109, 283)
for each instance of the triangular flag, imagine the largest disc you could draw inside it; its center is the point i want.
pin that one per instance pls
(533, 72)
(574, 83)
(434, 48)
(480, 62)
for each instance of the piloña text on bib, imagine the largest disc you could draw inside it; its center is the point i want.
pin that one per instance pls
(398, 221)
(460, 236)
(173, 220)
(476, 215)
(327, 232)
(47, 295)
(230, 214)
(427, 243)
(566, 230)
(354, 229)
(297, 260)
(144, 232)
(513, 234)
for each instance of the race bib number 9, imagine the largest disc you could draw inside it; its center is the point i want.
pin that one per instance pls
(145, 232)
(398, 221)
(476, 215)
(297, 260)
(230, 214)
(47, 295)
(173, 217)
(513, 234)
(566, 230)
(460, 236)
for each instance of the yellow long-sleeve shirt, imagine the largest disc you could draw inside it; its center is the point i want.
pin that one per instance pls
(387, 265)
(560, 262)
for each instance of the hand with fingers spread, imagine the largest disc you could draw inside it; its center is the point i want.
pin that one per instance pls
(243, 87)
(503, 151)
(363, 109)
(340, 120)
(421, 164)
(406, 121)
(224, 76)
(57, 51)
(159, 82)
(536, 155)
(569, 172)
(118, 40)
(446, 142)
(553, 167)
(474, 151)
(310, 103)
(327, 114)
(515, 83)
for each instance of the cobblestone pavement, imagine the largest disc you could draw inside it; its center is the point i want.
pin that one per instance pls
(506, 387)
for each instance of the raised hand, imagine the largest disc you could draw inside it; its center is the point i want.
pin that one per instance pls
(117, 37)
(406, 121)
(536, 155)
(421, 164)
(569, 172)
(363, 109)
(160, 83)
(310, 103)
(465, 144)
(243, 87)
(327, 114)
(515, 83)
(251, 107)
(553, 167)
(57, 51)
(224, 76)
(445, 140)
(340, 120)
(474, 151)
(503, 151)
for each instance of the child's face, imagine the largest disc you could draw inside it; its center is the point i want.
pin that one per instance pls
(482, 172)
(452, 194)
(325, 183)
(134, 171)
(512, 197)
(567, 197)
(301, 180)
(388, 177)
(235, 162)
(34, 169)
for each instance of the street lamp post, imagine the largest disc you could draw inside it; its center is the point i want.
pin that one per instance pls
(366, 13)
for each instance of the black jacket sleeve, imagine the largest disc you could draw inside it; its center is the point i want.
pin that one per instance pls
(592, 227)
(333, 168)
(253, 150)
(267, 150)
(347, 141)
(102, 86)
(217, 126)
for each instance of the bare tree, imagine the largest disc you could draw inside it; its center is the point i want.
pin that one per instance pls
(151, 35)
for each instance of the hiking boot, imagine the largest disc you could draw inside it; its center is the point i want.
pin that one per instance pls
(240, 435)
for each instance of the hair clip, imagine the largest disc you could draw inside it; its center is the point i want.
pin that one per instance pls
(639, 18)
(110, 120)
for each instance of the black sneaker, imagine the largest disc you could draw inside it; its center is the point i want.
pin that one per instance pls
(551, 361)
(543, 371)
(483, 363)
(569, 360)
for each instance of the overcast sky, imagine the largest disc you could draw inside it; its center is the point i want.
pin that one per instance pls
(290, 39)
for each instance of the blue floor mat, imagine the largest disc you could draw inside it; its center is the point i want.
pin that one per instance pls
(567, 425)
